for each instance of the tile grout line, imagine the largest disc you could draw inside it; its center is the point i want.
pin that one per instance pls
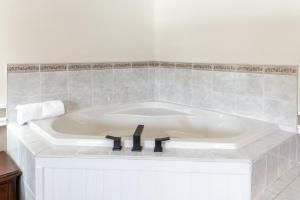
(277, 194)
(285, 187)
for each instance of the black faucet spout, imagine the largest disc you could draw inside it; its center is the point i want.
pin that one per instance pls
(137, 138)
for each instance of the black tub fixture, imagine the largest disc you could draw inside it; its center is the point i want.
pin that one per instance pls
(137, 138)
(117, 142)
(158, 144)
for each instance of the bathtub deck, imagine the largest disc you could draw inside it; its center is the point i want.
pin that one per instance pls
(40, 147)
(256, 154)
(286, 187)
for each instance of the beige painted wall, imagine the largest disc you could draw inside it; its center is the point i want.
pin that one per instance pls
(2, 85)
(238, 31)
(74, 31)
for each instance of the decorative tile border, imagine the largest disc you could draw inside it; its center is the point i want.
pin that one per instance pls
(272, 69)
(184, 65)
(139, 64)
(122, 65)
(240, 68)
(250, 68)
(102, 66)
(53, 67)
(153, 64)
(224, 67)
(79, 67)
(203, 66)
(23, 68)
(167, 64)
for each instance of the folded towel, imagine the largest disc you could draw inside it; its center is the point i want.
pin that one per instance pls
(52, 109)
(28, 112)
(37, 111)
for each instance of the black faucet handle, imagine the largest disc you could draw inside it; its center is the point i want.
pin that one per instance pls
(117, 142)
(158, 144)
(137, 138)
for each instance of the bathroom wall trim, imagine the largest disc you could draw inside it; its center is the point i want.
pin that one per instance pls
(223, 67)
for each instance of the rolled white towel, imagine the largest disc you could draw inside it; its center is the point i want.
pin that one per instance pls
(29, 112)
(37, 111)
(52, 109)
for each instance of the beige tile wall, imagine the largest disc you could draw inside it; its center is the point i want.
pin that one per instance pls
(79, 85)
(264, 92)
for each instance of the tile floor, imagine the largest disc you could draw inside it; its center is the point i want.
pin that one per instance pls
(286, 187)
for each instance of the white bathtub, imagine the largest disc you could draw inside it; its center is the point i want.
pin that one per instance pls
(187, 127)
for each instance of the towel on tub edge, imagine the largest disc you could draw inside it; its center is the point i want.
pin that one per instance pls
(38, 111)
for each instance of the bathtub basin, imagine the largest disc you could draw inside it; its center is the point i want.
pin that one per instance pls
(188, 127)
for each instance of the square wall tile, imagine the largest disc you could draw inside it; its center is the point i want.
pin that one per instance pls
(80, 89)
(140, 87)
(167, 88)
(252, 107)
(183, 86)
(223, 102)
(248, 84)
(202, 80)
(280, 112)
(79, 81)
(280, 87)
(153, 79)
(224, 82)
(23, 84)
(102, 87)
(79, 100)
(54, 83)
(201, 99)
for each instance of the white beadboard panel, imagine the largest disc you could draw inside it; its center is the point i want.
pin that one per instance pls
(148, 187)
(61, 184)
(39, 182)
(161, 189)
(83, 184)
(94, 181)
(219, 186)
(172, 186)
(199, 186)
(241, 185)
(183, 183)
(109, 179)
(77, 184)
(48, 184)
(112, 184)
(130, 185)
